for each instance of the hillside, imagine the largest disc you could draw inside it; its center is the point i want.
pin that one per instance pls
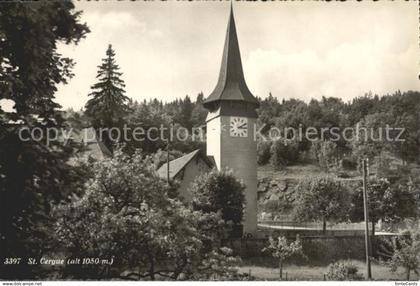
(276, 187)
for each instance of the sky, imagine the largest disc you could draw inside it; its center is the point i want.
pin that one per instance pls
(304, 50)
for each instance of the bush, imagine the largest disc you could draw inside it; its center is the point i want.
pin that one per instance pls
(349, 164)
(283, 154)
(343, 270)
(275, 206)
(263, 152)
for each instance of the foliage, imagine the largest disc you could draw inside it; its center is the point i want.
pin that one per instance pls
(404, 251)
(185, 113)
(349, 163)
(388, 202)
(326, 154)
(270, 108)
(154, 114)
(161, 157)
(33, 175)
(343, 271)
(275, 206)
(398, 110)
(284, 153)
(263, 152)
(30, 65)
(146, 115)
(127, 214)
(219, 191)
(321, 198)
(108, 103)
(371, 141)
(280, 249)
(199, 113)
(76, 119)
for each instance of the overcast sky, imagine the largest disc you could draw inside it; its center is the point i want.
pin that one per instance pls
(293, 49)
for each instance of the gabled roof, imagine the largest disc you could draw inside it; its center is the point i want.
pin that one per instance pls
(231, 84)
(177, 165)
(92, 146)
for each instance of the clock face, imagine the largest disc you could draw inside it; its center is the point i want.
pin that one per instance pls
(239, 126)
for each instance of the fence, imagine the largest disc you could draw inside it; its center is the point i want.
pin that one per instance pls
(289, 224)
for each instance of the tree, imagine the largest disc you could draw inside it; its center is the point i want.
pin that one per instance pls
(219, 191)
(371, 141)
(321, 198)
(270, 108)
(146, 115)
(280, 249)
(326, 154)
(108, 104)
(403, 251)
(284, 153)
(362, 106)
(199, 113)
(185, 113)
(33, 175)
(387, 202)
(30, 66)
(408, 149)
(126, 214)
(263, 152)
(156, 119)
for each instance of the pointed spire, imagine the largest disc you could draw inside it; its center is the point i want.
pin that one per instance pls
(231, 85)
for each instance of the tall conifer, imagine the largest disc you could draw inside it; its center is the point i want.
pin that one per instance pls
(108, 102)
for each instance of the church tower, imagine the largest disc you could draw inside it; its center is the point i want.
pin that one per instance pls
(231, 123)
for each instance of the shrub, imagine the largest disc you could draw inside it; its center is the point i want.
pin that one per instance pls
(283, 154)
(343, 270)
(263, 152)
(349, 164)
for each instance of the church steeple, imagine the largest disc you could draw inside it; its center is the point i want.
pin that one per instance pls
(230, 125)
(231, 85)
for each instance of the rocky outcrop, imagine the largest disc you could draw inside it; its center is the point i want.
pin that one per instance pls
(275, 196)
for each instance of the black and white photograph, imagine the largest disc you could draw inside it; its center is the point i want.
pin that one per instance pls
(229, 140)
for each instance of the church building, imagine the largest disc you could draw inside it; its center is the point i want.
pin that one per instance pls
(230, 132)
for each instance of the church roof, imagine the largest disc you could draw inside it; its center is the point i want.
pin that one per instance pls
(92, 146)
(177, 165)
(231, 84)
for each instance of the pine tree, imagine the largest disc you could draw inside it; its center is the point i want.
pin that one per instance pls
(108, 104)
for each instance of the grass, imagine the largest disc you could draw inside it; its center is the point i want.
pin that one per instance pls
(308, 272)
